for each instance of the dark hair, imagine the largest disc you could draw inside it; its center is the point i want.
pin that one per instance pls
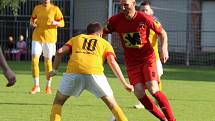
(94, 27)
(145, 2)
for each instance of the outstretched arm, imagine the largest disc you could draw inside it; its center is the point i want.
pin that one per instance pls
(8, 73)
(117, 71)
(58, 56)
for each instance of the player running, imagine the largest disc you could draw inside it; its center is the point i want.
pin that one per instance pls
(45, 20)
(133, 28)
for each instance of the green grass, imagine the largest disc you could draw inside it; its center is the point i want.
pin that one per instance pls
(190, 91)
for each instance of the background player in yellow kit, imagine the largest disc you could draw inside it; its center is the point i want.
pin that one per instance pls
(45, 20)
(85, 71)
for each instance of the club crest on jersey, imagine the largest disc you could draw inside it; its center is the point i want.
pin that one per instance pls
(132, 40)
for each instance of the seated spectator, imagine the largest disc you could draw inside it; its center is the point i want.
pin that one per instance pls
(10, 48)
(21, 48)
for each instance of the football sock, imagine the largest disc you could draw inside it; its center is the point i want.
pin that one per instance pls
(118, 114)
(56, 112)
(36, 81)
(35, 67)
(151, 107)
(48, 83)
(48, 68)
(164, 105)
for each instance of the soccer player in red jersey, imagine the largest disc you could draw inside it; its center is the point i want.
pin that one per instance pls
(133, 28)
(145, 7)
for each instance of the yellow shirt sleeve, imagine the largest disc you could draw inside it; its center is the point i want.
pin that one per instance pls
(59, 17)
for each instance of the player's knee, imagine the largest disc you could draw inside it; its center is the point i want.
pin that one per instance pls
(109, 101)
(48, 57)
(152, 87)
(139, 90)
(60, 98)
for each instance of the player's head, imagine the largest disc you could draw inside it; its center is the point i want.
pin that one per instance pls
(145, 7)
(127, 6)
(95, 28)
(46, 1)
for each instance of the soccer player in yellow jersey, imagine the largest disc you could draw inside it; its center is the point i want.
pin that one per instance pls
(45, 20)
(145, 6)
(85, 71)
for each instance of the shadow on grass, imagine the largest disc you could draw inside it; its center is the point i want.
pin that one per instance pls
(42, 104)
(193, 100)
(8, 103)
(24, 67)
(191, 73)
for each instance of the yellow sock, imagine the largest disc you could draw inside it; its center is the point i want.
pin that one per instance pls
(56, 112)
(118, 114)
(35, 66)
(48, 68)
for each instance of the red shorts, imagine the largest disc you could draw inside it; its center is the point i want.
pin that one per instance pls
(143, 73)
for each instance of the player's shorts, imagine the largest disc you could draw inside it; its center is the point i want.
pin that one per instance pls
(143, 73)
(75, 84)
(48, 49)
(159, 68)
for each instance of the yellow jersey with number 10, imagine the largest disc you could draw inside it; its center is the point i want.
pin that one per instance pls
(88, 54)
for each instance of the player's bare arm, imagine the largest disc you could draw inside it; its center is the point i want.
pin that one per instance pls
(58, 56)
(117, 71)
(33, 24)
(9, 74)
(164, 54)
(57, 23)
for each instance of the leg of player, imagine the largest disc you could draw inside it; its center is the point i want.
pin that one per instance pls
(48, 68)
(139, 91)
(154, 90)
(59, 101)
(35, 74)
(49, 50)
(36, 52)
(114, 107)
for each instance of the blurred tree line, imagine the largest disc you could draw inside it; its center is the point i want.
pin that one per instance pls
(14, 5)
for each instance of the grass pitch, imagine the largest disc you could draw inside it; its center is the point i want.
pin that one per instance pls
(190, 90)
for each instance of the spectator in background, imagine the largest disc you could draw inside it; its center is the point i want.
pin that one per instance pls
(10, 47)
(21, 47)
(8, 73)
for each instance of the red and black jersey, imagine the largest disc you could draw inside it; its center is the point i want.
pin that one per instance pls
(134, 36)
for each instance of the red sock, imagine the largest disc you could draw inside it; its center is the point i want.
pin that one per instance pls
(164, 105)
(151, 107)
